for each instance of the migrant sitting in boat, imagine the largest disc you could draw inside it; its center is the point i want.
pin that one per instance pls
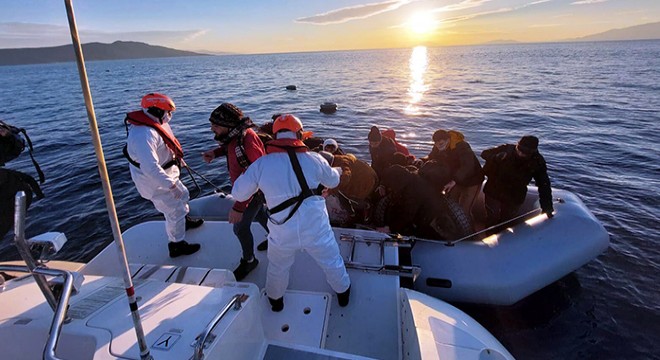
(413, 206)
(381, 150)
(241, 145)
(331, 146)
(509, 169)
(451, 151)
(299, 219)
(155, 156)
(349, 203)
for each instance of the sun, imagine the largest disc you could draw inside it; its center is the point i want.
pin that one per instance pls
(422, 23)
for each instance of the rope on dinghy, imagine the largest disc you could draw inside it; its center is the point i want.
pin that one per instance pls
(413, 239)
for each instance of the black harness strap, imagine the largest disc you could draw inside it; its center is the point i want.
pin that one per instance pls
(167, 165)
(297, 200)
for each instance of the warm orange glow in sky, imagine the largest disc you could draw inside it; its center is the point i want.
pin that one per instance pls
(270, 26)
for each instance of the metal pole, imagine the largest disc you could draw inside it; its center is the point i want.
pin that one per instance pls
(107, 190)
(24, 250)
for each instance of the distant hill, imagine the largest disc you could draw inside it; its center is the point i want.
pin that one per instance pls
(501, 42)
(92, 51)
(638, 32)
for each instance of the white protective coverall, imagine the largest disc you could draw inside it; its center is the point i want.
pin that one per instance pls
(153, 182)
(308, 229)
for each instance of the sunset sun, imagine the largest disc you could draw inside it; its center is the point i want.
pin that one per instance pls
(422, 23)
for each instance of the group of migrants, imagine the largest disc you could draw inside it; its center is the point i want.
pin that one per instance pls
(289, 181)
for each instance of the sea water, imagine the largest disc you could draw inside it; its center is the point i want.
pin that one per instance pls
(594, 106)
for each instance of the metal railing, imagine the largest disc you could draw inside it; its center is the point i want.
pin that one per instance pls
(60, 310)
(24, 249)
(205, 336)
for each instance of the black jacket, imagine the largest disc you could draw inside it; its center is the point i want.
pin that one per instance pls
(415, 207)
(463, 164)
(382, 155)
(11, 182)
(508, 175)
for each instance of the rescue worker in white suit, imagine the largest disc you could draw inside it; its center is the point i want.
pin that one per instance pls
(289, 176)
(155, 156)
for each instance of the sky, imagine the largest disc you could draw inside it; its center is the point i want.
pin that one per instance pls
(273, 26)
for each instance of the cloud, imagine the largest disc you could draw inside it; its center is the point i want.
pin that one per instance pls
(353, 13)
(587, 2)
(544, 25)
(472, 3)
(38, 35)
(465, 4)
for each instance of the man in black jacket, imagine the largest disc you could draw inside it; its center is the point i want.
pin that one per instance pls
(382, 150)
(509, 169)
(455, 154)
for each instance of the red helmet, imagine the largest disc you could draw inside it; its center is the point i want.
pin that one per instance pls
(290, 123)
(157, 100)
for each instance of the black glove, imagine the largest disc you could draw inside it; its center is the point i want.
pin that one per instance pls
(547, 210)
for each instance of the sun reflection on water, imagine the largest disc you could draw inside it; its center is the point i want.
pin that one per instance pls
(418, 64)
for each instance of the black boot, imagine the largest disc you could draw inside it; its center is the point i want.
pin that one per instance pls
(244, 268)
(182, 248)
(276, 304)
(193, 223)
(342, 298)
(263, 245)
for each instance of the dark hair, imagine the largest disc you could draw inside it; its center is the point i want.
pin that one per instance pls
(227, 115)
(528, 144)
(374, 134)
(440, 135)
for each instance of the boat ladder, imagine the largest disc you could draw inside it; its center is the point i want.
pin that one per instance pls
(380, 266)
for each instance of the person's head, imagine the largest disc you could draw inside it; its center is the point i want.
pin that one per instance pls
(290, 123)
(441, 139)
(159, 106)
(374, 137)
(527, 146)
(330, 145)
(224, 118)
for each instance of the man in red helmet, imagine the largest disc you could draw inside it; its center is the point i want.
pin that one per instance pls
(155, 156)
(289, 176)
(241, 145)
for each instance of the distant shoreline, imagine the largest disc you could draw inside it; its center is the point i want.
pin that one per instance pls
(4, 54)
(119, 50)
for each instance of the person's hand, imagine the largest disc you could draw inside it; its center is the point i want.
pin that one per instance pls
(235, 216)
(450, 185)
(208, 156)
(182, 163)
(176, 190)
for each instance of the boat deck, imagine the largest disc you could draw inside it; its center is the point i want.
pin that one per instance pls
(370, 293)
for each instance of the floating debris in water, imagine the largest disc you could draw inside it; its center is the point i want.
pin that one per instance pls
(328, 108)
